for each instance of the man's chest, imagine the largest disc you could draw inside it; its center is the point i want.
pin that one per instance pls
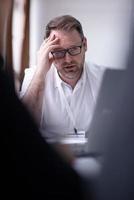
(58, 111)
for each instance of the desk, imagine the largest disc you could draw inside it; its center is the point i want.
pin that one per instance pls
(71, 147)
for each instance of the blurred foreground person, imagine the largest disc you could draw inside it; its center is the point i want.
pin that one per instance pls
(31, 169)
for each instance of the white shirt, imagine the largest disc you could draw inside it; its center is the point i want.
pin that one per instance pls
(64, 109)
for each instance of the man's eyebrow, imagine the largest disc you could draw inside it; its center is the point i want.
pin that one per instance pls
(59, 50)
(75, 45)
(63, 49)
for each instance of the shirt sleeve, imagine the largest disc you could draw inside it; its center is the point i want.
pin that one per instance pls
(28, 75)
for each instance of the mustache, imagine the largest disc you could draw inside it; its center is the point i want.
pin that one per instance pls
(66, 64)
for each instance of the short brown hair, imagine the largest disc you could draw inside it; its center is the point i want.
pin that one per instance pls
(65, 23)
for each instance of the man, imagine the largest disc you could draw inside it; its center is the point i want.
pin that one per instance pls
(61, 90)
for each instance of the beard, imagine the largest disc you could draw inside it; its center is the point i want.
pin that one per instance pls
(70, 70)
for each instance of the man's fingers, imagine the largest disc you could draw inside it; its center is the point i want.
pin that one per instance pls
(48, 42)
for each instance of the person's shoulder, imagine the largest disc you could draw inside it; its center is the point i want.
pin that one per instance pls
(94, 68)
(95, 75)
(30, 69)
(95, 72)
(28, 75)
(29, 72)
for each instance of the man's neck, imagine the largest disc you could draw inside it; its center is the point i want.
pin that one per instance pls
(71, 81)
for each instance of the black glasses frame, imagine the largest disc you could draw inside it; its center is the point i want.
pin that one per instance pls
(63, 52)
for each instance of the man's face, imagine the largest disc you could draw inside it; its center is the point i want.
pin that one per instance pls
(70, 66)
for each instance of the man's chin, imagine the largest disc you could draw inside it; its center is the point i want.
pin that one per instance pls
(71, 76)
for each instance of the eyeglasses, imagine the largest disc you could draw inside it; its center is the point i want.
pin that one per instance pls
(73, 51)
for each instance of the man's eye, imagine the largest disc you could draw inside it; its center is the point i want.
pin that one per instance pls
(59, 52)
(74, 49)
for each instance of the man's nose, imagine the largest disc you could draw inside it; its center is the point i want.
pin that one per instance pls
(68, 57)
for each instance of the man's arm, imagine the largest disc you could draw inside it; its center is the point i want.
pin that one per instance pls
(33, 97)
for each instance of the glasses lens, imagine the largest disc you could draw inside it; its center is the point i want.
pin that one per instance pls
(75, 50)
(58, 54)
(72, 51)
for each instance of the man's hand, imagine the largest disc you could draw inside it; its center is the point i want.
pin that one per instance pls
(44, 57)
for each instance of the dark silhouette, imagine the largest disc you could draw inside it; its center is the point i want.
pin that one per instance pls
(31, 169)
(112, 132)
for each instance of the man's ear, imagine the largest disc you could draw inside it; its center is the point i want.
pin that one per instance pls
(85, 43)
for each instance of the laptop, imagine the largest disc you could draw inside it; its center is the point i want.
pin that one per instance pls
(114, 88)
(109, 98)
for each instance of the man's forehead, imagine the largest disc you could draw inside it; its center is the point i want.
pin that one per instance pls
(67, 38)
(66, 34)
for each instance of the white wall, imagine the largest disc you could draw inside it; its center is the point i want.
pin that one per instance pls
(105, 24)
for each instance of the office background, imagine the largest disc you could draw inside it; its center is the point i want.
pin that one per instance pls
(105, 24)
